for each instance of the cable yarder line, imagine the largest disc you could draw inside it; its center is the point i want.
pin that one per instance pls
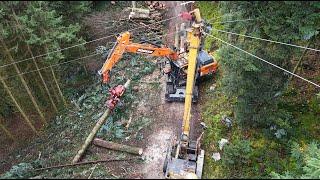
(58, 64)
(76, 59)
(304, 79)
(222, 22)
(262, 39)
(59, 50)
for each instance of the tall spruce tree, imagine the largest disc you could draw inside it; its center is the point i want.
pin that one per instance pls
(38, 28)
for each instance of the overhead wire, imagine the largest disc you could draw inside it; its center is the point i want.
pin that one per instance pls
(262, 39)
(240, 20)
(304, 79)
(59, 50)
(58, 64)
(105, 37)
(77, 59)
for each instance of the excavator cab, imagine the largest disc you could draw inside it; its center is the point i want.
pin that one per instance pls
(186, 165)
(176, 82)
(207, 64)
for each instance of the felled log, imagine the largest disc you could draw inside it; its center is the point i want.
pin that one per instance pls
(117, 147)
(94, 131)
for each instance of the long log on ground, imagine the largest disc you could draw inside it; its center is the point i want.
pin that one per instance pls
(83, 163)
(117, 147)
(94, 131)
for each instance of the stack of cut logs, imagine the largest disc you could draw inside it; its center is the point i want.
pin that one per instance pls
(156, 13)
(155, 5)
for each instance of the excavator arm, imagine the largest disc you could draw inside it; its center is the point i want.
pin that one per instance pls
(187, 158)
(124, 44)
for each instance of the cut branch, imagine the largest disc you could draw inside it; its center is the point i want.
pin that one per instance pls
(84, 163)
(117, 147)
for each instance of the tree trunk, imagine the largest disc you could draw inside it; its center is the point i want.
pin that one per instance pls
(298, 63)
(182, 37)
(94, 131)
(36, 64)
(83, 163)
(92, 134)
(51, 85)
(56, 82)
(57, 97)
(117, 147)
(54, 75)
(6, 51)
(83, 64)
(176, 37)
(6, 131)
(25, 117)
(43, 81)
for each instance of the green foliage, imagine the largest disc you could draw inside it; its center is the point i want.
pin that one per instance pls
(42, 27)
(306, 162)
(254, 93)
(257, 85)
(71, 11)
(18, 171)
(210, 12)
(22, 170)
(236, 155)
(74, 124)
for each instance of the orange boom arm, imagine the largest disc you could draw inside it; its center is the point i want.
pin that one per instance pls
(123, 45)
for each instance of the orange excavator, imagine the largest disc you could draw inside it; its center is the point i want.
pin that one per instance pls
(175, 68)
(184, 158)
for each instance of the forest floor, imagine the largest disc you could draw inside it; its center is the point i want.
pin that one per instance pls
(154, 123)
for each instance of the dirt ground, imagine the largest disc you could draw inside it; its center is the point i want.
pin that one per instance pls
(22, 134)
(166, 120)
(166, 124)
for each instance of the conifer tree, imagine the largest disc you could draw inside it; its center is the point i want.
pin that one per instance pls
(257, 85)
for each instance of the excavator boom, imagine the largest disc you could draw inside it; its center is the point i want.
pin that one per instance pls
(187, 158)
(124, 44)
